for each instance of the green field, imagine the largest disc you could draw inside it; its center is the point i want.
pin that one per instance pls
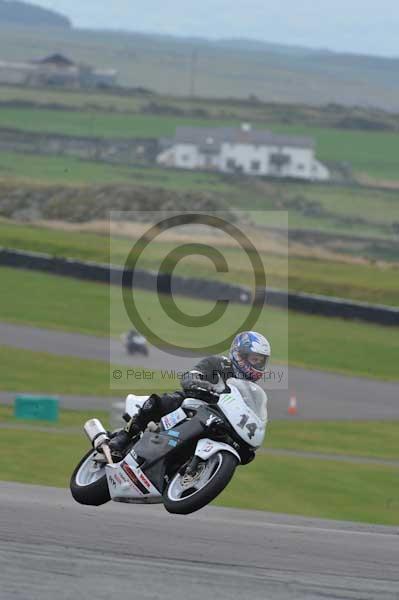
(71, 305)
(351, 211)
(136, 101)
(60, 99)
(97, 124)
(40, 458)
(308, 487)
(68, 419)
(30, 371)
(367, 439)
(347, 211)
(68, 170)
(36, 372)
(372, 283)
(372, 153)
(326, 489)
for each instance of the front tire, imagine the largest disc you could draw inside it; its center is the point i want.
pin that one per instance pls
(88, 483)
(183, 498)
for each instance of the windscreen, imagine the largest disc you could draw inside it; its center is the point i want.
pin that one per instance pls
(253, 395)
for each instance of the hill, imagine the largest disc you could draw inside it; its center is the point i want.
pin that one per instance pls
(183, 66)
(27, 15)
(204, 68)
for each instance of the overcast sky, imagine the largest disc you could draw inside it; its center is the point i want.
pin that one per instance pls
(364, 26)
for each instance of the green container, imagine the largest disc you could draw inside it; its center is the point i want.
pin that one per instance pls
(38, 408)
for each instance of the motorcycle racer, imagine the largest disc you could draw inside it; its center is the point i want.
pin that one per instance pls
(248, 358)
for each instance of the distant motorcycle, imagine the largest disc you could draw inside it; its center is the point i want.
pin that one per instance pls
(135, 343)
(184, 461)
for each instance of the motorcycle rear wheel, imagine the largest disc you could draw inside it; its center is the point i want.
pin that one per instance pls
(183, 497)
(89, 485)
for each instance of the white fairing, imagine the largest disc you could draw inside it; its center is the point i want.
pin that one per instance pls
(246, 409)
(133, 404)
(128, 483)
(207, 448)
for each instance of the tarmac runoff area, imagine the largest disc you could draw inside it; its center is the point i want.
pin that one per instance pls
(52, 548)
(319, 395)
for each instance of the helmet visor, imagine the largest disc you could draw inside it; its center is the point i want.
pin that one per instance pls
(257, 361)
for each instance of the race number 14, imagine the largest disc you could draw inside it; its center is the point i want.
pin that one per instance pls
(252, 427)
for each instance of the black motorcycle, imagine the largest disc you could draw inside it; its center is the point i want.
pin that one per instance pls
(135, 343)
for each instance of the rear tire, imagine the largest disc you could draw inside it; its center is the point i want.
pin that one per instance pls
(86, 489)
(219, 478)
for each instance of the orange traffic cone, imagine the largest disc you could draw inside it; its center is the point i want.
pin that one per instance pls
(292, 407)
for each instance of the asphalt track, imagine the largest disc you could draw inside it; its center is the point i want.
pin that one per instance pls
(319, 395)
(54, 549)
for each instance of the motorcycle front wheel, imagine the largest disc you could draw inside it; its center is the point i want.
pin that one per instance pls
(187, 493)
(89, 482)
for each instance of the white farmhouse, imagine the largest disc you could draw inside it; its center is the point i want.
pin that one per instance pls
(242, 150)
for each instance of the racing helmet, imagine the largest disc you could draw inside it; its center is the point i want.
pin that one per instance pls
(249, 354)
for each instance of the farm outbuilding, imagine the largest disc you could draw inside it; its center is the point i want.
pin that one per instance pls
(56, 70)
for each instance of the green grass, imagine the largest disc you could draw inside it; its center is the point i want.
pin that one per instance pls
(54, 169)
(40, 458)
(373, 153)
(54, 302)
(344, 346)
(67, 418)
(348, 211)
(368, 439)
(271, 112)
(75, 99)
(96, 123)
(351, 211)
(370, 205)
(373, 439)
(23, 168)
(85, 246)
(68, 170)
(361, 282)
(371, 283)
(316, 342)
(27, 370)
(31, 371)
(314, 488)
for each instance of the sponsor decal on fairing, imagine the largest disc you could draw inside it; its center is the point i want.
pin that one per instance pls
(134, 479)
(177, 416)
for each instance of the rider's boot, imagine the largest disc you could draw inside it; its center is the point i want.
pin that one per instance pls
(121, 439)
(136, 425)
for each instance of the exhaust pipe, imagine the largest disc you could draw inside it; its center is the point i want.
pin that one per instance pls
(98, 436)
